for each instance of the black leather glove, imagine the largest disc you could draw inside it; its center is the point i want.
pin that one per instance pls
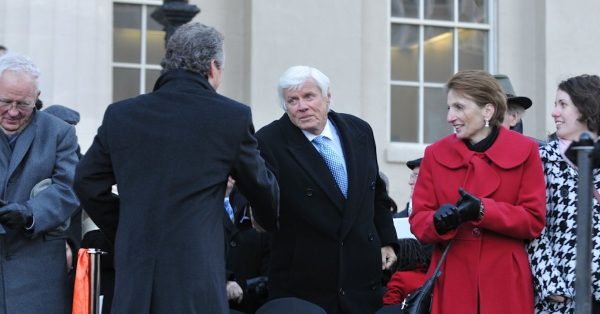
(446, 218)
(469, 206)
(15, 216)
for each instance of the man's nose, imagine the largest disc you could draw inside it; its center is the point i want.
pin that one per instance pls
(13, 111)
(302, 105)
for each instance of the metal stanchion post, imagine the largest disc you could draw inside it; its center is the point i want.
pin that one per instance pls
(583, 273)
(95, 280)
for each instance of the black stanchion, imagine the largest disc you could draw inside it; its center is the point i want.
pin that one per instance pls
(583, 269)
(95, 280)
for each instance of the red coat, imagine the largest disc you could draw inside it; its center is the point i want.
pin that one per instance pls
(401, 284)
(487, 257)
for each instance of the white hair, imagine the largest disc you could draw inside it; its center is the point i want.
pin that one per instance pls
(295, 77)
(19, 64)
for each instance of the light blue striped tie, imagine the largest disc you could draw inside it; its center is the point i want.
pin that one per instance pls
(334, 163)
(229, 209)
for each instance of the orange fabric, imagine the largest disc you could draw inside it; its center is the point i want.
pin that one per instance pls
(81, 292)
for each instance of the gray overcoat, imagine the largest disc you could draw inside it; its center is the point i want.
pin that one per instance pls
(33, 266)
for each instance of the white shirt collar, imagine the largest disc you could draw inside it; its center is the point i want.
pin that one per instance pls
(327, 132)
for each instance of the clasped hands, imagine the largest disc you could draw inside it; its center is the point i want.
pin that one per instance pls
(15, 215)
(449, 217)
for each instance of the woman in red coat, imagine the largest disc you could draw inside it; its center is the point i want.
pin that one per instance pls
(483, 188)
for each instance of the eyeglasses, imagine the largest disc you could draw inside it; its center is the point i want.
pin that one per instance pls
(21, 106)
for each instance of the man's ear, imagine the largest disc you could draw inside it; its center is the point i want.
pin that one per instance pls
(514, 118)
(213, 67)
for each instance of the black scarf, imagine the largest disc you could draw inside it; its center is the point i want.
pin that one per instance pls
(485, 143)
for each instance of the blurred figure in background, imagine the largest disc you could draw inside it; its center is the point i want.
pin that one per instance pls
(414, 166)
(248, 254)
(411, 269)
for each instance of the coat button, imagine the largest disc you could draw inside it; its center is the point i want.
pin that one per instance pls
(233, 243)
(476, 232)
(564, 191)
(371, 237)
(342, 292)
(309, 192)
(372, 185)
(342, 243)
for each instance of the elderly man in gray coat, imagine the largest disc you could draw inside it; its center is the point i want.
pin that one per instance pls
(36, 149)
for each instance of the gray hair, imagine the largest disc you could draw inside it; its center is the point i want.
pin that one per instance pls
(20, 64)
(295, 77)
(192, 47)
(515, 108)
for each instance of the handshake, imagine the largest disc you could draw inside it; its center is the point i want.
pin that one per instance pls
(449, 217)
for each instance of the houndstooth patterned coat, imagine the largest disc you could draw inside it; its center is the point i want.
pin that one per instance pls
(552, 255)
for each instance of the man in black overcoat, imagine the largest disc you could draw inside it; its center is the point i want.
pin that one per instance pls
(170, 153)
(336, 233)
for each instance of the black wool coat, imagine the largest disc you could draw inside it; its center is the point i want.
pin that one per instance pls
(170, 153)
(328, 248)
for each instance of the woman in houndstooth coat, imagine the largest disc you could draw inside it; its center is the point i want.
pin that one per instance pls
(553, 254)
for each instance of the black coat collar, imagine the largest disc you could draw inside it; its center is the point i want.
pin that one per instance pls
(183, 79)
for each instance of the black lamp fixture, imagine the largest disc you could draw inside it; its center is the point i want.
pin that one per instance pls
(174, 13)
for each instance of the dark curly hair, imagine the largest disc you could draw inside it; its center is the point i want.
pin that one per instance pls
(584, 91)
(192, 47)
(413, 255)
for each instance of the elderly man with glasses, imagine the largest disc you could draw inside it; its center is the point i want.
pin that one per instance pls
(37, 166)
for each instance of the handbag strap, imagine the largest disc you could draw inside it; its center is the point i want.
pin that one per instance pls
(437, 272)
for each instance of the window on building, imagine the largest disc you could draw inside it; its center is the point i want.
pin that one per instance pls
(138, 48)
(430, 41)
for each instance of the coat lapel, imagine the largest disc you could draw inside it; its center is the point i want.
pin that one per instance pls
(22, 146)
(481, 169)
(354, 146)
(307, 156)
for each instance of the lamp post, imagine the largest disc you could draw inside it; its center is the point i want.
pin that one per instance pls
(174, 13)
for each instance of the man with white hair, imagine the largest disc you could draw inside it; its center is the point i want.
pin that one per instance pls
(37, 166)
(336, 233)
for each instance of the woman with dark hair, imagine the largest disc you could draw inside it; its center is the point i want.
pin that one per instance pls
(553, 254)
(483, 189)
(413, 261)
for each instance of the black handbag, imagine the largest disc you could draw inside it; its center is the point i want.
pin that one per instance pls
(419, 301)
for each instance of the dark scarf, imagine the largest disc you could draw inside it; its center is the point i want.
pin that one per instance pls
(485, 143)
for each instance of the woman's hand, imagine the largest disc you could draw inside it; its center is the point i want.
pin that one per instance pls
(557, 298)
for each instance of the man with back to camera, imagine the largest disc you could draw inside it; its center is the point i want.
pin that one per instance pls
(335, 231)
(170, 152)
(37, 166)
